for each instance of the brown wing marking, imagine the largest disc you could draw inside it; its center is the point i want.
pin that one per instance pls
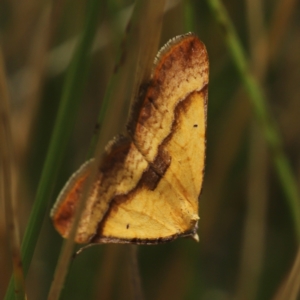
(187, 147)
(178, 72)
(121, 170)
(63, 211)
(171, 209)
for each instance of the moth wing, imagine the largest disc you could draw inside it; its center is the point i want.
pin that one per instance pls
(151, 214)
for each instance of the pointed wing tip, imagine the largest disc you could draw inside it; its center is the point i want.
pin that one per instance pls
(195, 237)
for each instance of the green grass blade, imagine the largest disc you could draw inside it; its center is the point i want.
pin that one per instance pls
(65, 120)
(189, 20)
(262, 114)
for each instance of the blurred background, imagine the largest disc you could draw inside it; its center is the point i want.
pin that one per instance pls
(248, 243)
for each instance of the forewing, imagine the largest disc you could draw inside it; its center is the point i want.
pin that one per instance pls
(164, 205)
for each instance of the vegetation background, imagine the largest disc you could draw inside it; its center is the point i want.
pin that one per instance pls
(249, 231)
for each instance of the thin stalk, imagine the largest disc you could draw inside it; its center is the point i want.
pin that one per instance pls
(259, 103)
(6, 163)
(135, 56)
(78, 67)
(65, 120)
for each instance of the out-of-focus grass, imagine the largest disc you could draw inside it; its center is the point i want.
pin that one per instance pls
(182, 269)
(7, 185)
(69, 105)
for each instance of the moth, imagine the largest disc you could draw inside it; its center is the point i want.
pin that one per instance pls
(149, 181)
